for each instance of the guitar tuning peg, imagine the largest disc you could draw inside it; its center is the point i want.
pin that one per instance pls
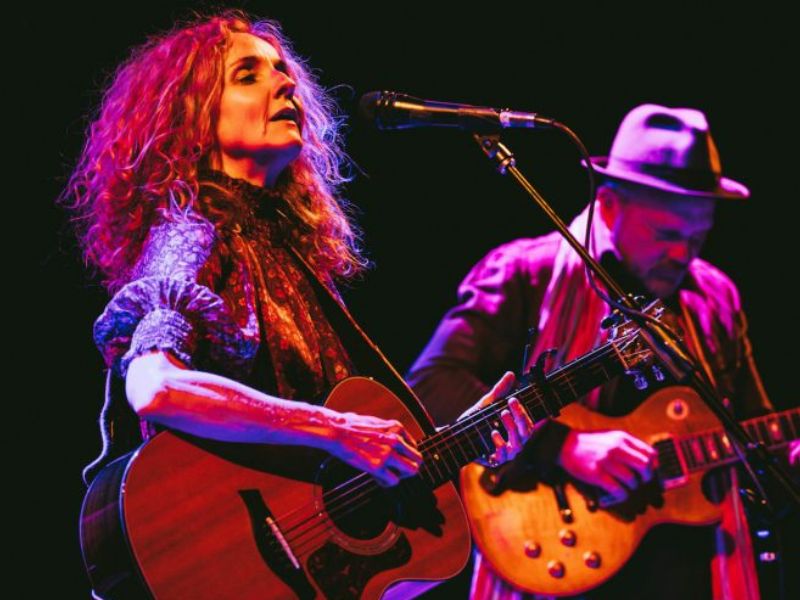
(639, 380)
(613, 320)
(658, 374)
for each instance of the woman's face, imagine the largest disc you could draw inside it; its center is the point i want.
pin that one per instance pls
(260, 121)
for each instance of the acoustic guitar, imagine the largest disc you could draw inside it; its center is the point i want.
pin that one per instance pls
(184, 517)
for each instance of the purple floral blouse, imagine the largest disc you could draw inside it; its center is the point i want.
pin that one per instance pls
(231, 299)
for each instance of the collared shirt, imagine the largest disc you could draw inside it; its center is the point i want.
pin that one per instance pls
(540, 284)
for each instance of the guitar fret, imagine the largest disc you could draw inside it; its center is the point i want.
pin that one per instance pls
(688, 456)
(763, 434)
(485, 446)
(669, 465)
(721, 448)
(603, 369)
(539, 412)
(448, 449)
(794, 417)
(568, 380)
(711, 450)
(427, 475)
(774, 430)
(726, 442)
(486, 437)
(441, 462)
(468, 436)
(699, 451)
(786, 427)
(464, 456)
(556, 396)
(434, 462)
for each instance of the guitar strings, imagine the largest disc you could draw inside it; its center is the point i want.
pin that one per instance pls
(359, 483)
(436, 442)
(439, 438)
(365, 481)
(351, 504)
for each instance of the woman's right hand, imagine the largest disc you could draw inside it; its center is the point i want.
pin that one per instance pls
(381, 448)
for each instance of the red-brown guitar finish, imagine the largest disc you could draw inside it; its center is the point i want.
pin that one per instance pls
(208, 521)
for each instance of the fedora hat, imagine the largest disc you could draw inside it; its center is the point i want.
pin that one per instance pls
(670, 149)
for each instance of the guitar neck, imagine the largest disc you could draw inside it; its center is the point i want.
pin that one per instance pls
(708, 449)
(455, 446)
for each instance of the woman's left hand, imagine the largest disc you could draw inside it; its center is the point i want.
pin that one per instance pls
(516, 421)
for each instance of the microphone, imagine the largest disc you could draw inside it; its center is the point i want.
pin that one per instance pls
(393, 110)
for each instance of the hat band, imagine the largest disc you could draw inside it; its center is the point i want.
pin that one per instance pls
(694, 179)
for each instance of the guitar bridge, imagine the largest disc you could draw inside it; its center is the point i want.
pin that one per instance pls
(282, 541)
(274, 547)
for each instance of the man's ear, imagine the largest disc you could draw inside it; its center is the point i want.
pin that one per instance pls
(609, 201)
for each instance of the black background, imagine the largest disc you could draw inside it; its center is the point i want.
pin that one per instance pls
(430, 203)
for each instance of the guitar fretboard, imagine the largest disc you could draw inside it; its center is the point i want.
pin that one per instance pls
(447, 451)
(713, 448)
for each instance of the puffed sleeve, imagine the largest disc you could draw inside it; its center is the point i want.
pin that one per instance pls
(169, 303)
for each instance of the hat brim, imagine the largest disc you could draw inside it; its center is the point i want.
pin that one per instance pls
(726, 188)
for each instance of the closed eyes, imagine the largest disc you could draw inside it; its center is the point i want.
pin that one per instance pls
(250, 64)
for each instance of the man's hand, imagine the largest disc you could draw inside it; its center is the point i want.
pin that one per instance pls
(515, 419)
(613, 460)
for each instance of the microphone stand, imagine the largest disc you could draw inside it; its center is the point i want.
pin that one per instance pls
(668, 350)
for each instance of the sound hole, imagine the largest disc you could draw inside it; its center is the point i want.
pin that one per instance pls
(357, 505)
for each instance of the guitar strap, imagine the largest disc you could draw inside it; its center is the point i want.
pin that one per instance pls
(733, 573)
(364, 353)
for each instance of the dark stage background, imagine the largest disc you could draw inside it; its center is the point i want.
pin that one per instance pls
(430, 203)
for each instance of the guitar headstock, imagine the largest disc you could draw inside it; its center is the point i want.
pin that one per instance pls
(633, 351)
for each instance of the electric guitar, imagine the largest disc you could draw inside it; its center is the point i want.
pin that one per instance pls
(184, 517)
(567, 538)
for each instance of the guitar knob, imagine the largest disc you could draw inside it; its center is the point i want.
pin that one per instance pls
(556, 569)
(592, 559)
(532, 549)
(640, 381)
(567, 537)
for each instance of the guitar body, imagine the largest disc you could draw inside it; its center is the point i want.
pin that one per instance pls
(188, 518)
(510, 527)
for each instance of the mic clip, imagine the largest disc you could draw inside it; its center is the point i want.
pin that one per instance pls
(494, 149)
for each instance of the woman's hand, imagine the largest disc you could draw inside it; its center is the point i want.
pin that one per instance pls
(515, 419)
(381, 448)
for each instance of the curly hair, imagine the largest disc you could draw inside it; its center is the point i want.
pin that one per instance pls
(154, 132)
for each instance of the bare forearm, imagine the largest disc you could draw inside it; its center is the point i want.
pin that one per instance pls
(161, 389)
(212, 406)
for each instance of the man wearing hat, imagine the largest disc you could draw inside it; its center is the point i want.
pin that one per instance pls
(654, 208)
